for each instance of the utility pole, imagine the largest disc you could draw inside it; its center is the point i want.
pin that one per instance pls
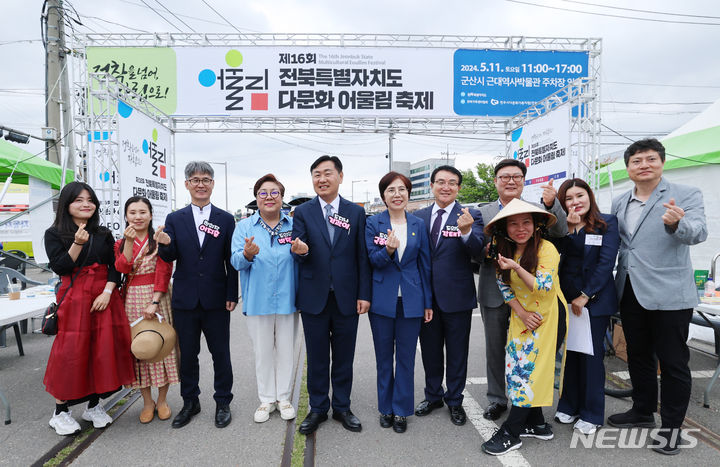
(447, 153)
(391, 136)
(57, 86)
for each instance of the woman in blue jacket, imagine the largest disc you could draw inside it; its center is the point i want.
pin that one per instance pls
(261, 252)
(588, 257)
(399, 253)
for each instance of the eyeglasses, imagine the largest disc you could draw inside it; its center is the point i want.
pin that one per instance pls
(506, 178)
(400, 190)
(265, 194)
(450, 183)
(197, 181)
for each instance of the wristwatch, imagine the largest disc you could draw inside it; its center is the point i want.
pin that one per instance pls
(582, 294)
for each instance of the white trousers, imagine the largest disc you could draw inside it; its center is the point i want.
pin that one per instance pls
(273, 338)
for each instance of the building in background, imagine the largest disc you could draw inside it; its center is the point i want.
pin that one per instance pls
(419, 174)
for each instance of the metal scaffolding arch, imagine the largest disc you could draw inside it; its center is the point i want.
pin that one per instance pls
(582, 96)
(96, 157)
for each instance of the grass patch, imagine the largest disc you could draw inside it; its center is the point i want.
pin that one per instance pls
(64, 453)
(298, 452)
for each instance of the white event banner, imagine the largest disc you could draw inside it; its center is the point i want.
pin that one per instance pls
(317, 81)
(143, 161)
(543, 145)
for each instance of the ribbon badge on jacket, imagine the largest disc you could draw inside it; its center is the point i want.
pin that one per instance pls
(380, 239)
(451, 231)
(339, 221)
(209, 228)
(284, 237)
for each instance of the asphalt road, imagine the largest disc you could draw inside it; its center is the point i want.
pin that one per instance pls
(432, 440)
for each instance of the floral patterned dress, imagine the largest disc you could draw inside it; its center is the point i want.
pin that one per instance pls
(530, 355)
(151, 274)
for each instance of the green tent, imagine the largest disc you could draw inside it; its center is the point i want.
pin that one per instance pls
(696, 143)
(29, 166)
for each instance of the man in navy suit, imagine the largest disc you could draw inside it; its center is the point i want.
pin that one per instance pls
(333, 289)
(205, 290)
(456, 235)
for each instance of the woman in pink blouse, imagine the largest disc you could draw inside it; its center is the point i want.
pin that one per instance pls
(146, 292)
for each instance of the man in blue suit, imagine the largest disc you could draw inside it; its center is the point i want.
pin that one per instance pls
(205, 290)
(333, 289)
(456, 235)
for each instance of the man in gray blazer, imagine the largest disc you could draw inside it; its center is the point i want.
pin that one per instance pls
(509, 181)
(658, 222)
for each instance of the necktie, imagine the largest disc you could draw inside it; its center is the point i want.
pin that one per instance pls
(435, 232)
(331, 229)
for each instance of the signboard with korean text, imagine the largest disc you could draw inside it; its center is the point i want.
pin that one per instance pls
(317, 81)
(143, 152)
(543, 145)
(506, 82)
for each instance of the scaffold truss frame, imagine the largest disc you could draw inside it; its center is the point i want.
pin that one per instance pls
(585, 128)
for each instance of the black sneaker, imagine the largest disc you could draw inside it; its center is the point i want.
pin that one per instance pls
(501, 442)
(543, 431)
(631, 419)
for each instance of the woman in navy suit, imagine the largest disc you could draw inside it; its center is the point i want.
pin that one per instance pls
(399, 253)
(586, 278)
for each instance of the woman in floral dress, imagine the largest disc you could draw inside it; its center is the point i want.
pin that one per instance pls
(146, 283)
(527, 274)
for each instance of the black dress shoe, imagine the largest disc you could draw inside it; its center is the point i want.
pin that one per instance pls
(349, 421)
(493, 411)
(188, 411)
(425, 407)
(399, 424)
(223, 417)
(386, 420)
(312, 422)
(457, 414)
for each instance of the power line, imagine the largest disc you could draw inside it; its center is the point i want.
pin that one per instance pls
(176, 16)
(187, 16)
(656, 103)
(638, 18)
(629, 83)
(642, 11)
(667, 153)
(164, 18)
(113, 23)
(221, 16)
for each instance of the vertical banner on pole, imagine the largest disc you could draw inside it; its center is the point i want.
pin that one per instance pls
(543, 145)
(143, 153)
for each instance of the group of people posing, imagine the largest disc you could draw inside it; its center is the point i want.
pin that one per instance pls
(413, 273)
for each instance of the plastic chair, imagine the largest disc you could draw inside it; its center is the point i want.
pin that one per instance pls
(15, 263)
(8, 273)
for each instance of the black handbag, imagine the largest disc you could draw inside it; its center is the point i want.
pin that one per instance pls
(49, 325)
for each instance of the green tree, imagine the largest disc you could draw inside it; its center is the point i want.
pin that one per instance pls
(478, 186)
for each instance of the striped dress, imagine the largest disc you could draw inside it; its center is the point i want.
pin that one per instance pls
(152, 274)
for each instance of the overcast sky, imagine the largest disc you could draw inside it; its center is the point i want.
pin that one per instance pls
(658, 71)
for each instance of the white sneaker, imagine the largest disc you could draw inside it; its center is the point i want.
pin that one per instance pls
(287, 411)
(64, 424)
(585, 428)
(564, 418)
(97, 416)
(262, 414)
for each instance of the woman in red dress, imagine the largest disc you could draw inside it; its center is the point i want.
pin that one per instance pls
(147, 278)
(90, 358)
